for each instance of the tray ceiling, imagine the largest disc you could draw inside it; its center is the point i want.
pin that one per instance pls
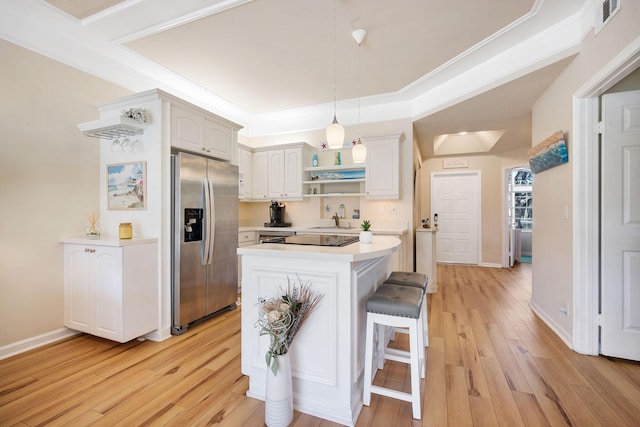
(261, 62)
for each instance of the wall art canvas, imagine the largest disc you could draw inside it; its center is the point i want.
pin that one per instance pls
(126, 186)
(549, 153)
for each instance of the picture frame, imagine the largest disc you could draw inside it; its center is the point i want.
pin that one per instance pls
(127, 186)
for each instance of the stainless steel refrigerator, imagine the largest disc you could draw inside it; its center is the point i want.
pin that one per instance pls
(204, 240)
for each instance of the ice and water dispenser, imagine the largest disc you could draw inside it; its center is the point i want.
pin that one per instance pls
(193, 224)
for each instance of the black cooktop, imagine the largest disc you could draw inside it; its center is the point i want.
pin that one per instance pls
(277, 224)
(320, 240)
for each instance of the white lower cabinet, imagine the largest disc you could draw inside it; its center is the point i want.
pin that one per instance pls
(111, 290)
(245, 238)
(426, 256)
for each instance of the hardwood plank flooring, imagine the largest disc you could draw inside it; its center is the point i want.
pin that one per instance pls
(491, 362)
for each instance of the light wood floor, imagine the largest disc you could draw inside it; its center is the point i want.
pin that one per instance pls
(490, 362)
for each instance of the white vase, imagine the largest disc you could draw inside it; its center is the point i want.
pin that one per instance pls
(366, 236)
(278, 400)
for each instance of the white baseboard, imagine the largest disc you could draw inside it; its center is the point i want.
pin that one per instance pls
(490, 264)
(552, 324)
(34, 342)
(159, 335)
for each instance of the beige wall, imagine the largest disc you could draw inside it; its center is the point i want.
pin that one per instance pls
(491, 169)
(49, 182)
(552, 189)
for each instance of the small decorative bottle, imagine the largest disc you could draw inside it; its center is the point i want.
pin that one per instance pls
(314, 161)
(337, 162)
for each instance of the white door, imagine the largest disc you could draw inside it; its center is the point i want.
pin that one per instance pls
(455, 198)
(620, 269)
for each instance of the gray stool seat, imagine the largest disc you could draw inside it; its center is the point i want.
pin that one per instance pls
(408, 278)
(415, 280)
(396, 300)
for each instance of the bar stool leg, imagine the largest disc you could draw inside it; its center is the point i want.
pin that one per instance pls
(414, 347)
(420, 349)
(368, 362)
(425, 322)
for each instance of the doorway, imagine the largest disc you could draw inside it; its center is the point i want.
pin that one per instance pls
(620, 217)
(519, 216)
(455, 201)
(586, 227)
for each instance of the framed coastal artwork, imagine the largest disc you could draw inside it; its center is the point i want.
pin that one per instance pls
(127, 186)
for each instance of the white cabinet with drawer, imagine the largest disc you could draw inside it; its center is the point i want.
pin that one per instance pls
(111, 287)
(245, 238)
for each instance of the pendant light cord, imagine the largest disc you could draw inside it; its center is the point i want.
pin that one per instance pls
(359, 95)
(335, 54)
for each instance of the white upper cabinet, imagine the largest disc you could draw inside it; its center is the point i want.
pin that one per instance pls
(277, 173)
(260, 171)
(245, 170)
(293, 171)
(186, 129)
(203, 133)
(383, 167)
(218, 140)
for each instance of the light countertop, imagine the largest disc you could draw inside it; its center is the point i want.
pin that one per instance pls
(395, 231)
(381, 246)
(108, 241)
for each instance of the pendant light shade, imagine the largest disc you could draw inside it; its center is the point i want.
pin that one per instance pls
(335, 134)
(359, 152)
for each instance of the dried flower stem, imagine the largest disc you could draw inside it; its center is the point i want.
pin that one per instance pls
(282, 317)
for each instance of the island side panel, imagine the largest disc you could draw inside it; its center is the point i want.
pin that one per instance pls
(327, 353)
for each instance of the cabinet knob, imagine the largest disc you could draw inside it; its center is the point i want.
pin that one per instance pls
(89, 250)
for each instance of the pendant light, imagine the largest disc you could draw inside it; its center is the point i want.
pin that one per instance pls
(335, 131)
(359, 150)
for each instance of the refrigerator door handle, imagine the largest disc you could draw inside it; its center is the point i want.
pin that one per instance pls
(212, 221)
(206, 255)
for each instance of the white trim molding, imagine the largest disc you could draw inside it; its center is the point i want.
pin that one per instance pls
(35, 342)
(586, 198)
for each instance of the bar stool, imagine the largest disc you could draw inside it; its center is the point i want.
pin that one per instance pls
(395, 306)
(418, 280)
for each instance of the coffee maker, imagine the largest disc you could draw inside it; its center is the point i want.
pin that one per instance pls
(276, 215)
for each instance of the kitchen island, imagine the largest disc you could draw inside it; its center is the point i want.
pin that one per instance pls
(327, 354)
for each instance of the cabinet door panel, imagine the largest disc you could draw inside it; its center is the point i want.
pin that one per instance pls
(276, 173)
(186, 130)
(218, 140)
(108, 292)
(293, 172)
(260, 178)
(78, 299)
(383, 169)
(246, 174)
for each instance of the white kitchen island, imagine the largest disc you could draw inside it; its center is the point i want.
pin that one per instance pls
(327, 354)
